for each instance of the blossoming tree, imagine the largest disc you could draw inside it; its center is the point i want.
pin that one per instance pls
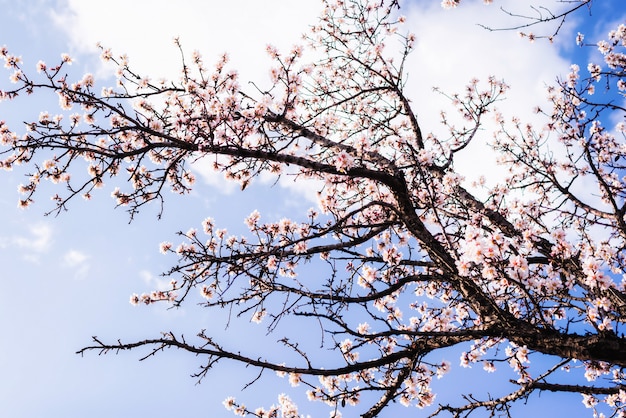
(401, 259)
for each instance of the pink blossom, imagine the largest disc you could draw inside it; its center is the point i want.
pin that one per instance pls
(258, 316)
(207, 225)
(295, 379)
(589, 400)
(88, 80)
(16, 76)
(165, 247)
(300, 247)
(450, 4)
(66, 59)
(271, 263)
(343, 161)
(134, 299)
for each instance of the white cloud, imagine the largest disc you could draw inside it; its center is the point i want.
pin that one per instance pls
(145, 30)
(448, 55)
(214, 178)
(153, 282)
(78, 261)
(37, 240)
(73, 258)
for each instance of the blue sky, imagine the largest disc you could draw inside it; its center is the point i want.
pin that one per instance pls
(69, 277)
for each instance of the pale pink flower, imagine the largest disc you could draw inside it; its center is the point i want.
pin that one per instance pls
(258, 316)
(522, 355)
(605, 325)
(164, 247)
(474, 252)
(271, 263)
(300, 247)
(604, 47)
(443, 369)
(207, 225)
(294, 379)
(240, 410)
(134, 299)
(252, 219)
(272, 51)
(106, 55)
(143, 82)
(206, 292)
(363, 328)
(343, 161)
(589, 400)
(579, 39)
(15, 77)
(450, 4)
(11, 61)
(391, 255)
(88, 80)
(425, 398)
(489, 366)
(368, 275)
(66, 59)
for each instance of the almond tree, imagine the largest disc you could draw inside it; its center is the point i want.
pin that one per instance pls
(401, 259)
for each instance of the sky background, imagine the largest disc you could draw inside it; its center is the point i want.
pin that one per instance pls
(69, 277)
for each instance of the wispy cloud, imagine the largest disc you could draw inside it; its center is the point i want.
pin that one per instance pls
(78, 261)
(35, 241)
(210, 27)
(448, 58)
(153, 282)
